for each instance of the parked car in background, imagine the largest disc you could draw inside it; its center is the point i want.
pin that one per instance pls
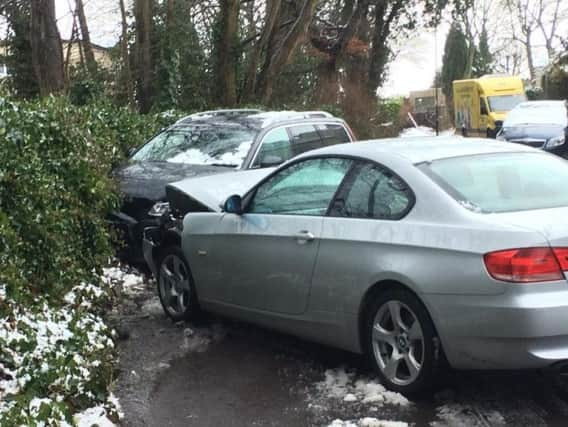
(539, 124)
(412, 251)
(210, 143)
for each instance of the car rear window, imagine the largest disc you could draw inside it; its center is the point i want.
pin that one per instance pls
(503, 182)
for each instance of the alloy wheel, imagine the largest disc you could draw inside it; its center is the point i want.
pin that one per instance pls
(398, 343)
(175, 288)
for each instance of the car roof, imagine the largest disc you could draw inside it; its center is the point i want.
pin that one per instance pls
(256, 119)
(420, 149)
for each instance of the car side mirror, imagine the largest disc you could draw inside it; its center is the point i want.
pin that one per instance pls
(271, 160)
(234, 204)
(131, 151)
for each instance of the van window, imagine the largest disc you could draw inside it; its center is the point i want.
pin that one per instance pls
(503, 103)
(483, 106)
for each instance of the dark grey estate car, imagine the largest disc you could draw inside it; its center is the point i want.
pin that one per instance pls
(210, 143)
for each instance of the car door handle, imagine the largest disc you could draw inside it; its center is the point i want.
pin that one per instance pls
(304, 236)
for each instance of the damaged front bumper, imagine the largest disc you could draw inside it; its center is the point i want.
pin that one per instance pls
(130, 231)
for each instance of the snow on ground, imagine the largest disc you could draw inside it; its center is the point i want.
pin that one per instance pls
(460, 415)
(95, 416)
(356, 400)
(347, 386)
(424, 131)
(132, 283)
(367, 422)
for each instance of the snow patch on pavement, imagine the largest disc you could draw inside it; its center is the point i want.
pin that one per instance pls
(367, 422)
(458, 415)
(347, 386)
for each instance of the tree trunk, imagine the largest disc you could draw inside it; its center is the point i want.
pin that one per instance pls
(470, 58)
(380, 52)
(47, 53)
(273, 10)
(327, 89)
(86, 39)
(144, 60)
(530, 61)
(170, 13)
(70, 47)
(226, 55)
(126, 72)
(285, 49)
(327, 92)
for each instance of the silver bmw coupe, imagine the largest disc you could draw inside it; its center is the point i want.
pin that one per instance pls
(418, 252)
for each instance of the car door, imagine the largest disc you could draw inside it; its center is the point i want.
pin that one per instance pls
(268, 253)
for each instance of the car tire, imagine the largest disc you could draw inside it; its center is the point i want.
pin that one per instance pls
(175, 285)
(406, 354)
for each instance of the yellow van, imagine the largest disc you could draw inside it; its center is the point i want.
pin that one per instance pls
(480, 105)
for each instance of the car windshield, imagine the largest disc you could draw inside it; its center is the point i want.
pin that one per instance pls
(503, 182)
(504, 103)
(199, 144)
(537, 114)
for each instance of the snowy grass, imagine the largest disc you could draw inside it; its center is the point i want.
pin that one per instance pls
(56, 362)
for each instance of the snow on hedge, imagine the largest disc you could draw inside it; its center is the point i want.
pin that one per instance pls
(56, 362)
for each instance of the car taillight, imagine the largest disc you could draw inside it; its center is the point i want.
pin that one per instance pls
(528, 264)
(562, 257)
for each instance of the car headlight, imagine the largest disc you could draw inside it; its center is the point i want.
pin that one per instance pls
(159, 209)
(556, 141)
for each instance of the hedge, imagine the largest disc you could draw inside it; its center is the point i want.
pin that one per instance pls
(56, 353)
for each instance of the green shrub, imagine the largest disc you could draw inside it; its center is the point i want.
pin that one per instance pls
(55, 190)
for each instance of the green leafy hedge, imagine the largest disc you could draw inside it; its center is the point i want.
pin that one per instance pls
(56, 353)
(55, 190)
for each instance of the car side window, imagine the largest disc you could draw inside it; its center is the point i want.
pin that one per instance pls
(303, 188)
(304, 138)
(332, 134)
(375, 193)
(275, 148)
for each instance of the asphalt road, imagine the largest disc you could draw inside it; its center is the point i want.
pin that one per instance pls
(220, 373)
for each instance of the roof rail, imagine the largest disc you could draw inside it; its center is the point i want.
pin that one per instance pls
(237, 112)
(271, 117)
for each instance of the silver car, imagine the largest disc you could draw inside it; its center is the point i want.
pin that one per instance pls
(416, 252)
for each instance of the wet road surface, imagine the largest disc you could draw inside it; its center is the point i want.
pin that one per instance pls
(221, 373)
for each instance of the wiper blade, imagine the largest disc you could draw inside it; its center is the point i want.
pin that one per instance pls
(227, 165)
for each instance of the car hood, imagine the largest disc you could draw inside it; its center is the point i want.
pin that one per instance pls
(551, 223)
(212, 191)
(519, 132)
(148, 180)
